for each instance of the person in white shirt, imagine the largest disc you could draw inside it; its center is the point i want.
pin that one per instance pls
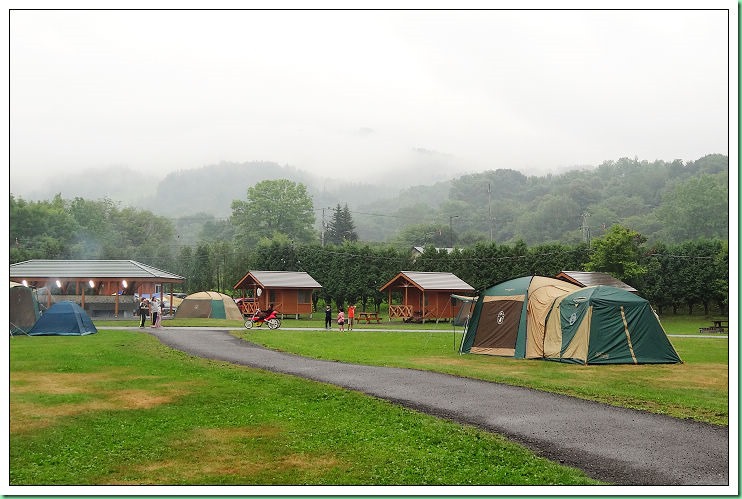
(156, 311)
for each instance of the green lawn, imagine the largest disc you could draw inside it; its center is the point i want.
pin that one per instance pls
(119, 408)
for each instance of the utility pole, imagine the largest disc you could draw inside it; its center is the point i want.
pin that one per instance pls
(450, 227)
(585, 228)
(324, 226)
(489, 205)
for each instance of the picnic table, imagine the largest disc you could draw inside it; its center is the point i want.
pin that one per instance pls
(719, 326)
(368, 317)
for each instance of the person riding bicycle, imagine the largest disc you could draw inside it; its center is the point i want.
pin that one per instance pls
(262, 314)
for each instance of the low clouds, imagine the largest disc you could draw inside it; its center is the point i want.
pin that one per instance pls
(339, 92)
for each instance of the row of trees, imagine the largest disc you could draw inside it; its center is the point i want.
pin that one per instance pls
(672, 277)
(82, 229)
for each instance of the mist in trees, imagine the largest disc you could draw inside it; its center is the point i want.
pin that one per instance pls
(84, 229)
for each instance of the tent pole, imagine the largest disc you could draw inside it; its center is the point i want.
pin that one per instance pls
(453, 323)
(466, 329)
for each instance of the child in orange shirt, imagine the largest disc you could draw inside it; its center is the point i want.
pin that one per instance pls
(351, 316)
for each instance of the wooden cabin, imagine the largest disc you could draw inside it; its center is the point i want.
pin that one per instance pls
(425, 295)
(585, 279)
(289, 292)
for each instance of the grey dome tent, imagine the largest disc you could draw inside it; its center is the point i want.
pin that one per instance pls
(64, 318)
(23, 308)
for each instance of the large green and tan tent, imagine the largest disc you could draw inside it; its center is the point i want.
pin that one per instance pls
(208, 305)
(606, 325)
(509, 317)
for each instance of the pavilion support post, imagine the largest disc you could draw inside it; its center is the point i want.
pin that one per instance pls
(116, 301)
(423, 307)
(83, 294)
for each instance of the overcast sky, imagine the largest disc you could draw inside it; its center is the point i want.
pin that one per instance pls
(341, 93)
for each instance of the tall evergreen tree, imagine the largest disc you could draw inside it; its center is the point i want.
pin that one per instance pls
(341, 227)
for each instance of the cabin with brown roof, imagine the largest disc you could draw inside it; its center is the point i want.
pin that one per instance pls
(425, 295)
(289, 292)
(585, 279)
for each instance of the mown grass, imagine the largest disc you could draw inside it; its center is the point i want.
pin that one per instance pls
(119, 408)
(697, 389)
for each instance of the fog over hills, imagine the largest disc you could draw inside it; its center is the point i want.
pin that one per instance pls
(212, 188)
(500, 204)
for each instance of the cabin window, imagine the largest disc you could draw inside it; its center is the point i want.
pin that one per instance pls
(305, 296)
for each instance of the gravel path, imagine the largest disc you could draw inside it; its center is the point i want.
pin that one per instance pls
(619, 446)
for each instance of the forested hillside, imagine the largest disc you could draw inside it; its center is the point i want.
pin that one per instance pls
(664, 201)
(668, 202)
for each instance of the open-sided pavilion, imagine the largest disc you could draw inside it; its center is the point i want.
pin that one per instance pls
(111, 278)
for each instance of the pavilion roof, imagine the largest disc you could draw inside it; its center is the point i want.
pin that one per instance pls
(430, 281)
(89, 269)
(278, 279)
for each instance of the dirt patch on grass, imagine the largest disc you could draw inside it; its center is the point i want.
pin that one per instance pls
(697, 376)
(33, 404)
(231, 453)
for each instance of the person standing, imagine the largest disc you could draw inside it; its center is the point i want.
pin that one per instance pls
(341, 319)
(154, 309)
(351, 316)
(328, 317)
(143, 311)
(157, 321)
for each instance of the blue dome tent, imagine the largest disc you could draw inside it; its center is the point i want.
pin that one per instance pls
(64, 318)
